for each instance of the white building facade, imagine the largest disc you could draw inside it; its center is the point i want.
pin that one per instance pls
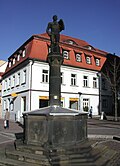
(25, 84)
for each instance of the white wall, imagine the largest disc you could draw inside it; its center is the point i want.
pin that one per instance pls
(34, 88)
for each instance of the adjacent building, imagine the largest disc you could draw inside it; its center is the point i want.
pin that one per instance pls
(3, 65)
(25, 83)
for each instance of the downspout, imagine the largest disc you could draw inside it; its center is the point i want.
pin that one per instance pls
(31, 63)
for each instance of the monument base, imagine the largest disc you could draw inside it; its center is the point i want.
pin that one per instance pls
(54, 127)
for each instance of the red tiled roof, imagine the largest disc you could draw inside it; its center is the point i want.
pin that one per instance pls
(37, 48)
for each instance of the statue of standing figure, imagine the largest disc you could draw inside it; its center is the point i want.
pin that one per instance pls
(53, 30)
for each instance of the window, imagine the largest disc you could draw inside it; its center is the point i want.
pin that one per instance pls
(104, 103)
(85, 81)
(18, 57)
(9, 83)
(18, 79)
(49, 49)
(10, 64)
(94, 82)
(13, 81)
(24, 77)
(78, 57)
(69, 41)
(45, 76)
(73, 79)
(104, 86)
(23, 103)
(43, 101)
(23, 53)
(13, 61)
(65, 54)
(5, 85)
(97, 62)
(86, 105)
(11, 105)
(73, 104)
(88, 59)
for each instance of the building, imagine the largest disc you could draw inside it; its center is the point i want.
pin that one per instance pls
(3, 65)
(111, 85)
(26, 79)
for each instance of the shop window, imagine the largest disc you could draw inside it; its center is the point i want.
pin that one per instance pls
(73, 103)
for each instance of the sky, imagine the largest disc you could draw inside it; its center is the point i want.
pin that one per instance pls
(95, 21)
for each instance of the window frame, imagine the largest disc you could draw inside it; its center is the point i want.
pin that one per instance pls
(78, 57)
(73, 79)
(45, 76)
(85, 81)
(67, 54)
(95, 82)
(97, 63)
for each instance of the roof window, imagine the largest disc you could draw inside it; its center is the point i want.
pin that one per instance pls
(66, 54)
(78, 57)
(69, 41)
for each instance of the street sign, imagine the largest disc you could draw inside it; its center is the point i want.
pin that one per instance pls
(14, 94)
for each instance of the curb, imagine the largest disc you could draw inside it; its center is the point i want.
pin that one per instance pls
(93, 136)
(110, 137)
(9, 135)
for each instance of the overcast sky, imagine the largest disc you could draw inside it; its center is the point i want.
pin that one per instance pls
(95, 21)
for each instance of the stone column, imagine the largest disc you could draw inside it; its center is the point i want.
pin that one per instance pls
(55, 61)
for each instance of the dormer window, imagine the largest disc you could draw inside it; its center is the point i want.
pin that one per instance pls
(89, 47)
(69, 41)
(13, 61)
(88, 59)
(18, 57)
(66, 54)
(23, 53)
(97, 62)
(49, 49)
(10, 64)
(78, 57)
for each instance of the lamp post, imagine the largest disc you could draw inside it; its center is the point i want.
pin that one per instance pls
(100, 89)
(79, 107)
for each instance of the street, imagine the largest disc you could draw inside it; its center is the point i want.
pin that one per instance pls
(96, 129)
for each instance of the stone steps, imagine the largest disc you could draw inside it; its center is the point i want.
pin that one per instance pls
(27, 157)
(11, 162)
(78, 155)
(87, 158)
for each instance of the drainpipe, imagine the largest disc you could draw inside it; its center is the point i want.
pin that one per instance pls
(100, 90)
(31, 63)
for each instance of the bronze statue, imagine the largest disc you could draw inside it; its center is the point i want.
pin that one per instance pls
(53, 30)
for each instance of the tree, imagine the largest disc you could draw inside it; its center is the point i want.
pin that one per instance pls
(111, 71)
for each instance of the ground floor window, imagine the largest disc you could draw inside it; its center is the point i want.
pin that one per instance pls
(23, 104)
(73, 103)
(86, 104)
(43, 101)
(104, 103)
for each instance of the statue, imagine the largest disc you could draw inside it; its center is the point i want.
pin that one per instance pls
(53, 30)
